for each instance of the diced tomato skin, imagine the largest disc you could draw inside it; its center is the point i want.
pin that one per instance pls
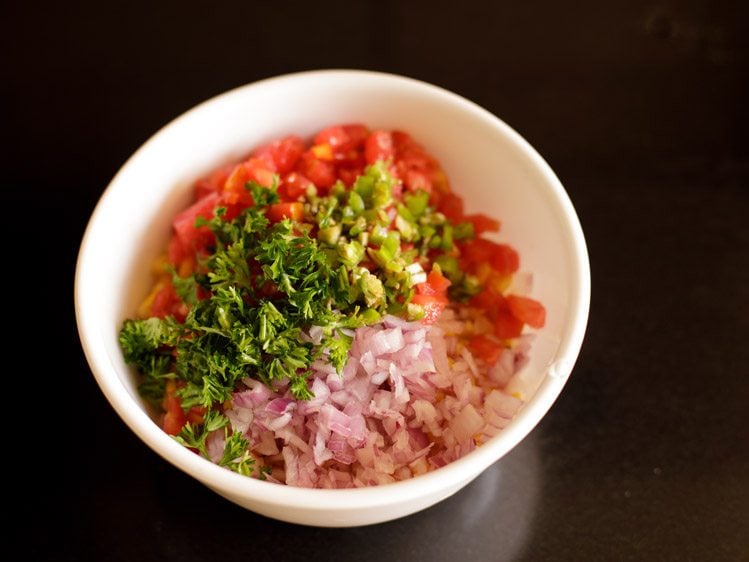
(293, 185)
(351, 159)
(357, 135)
(214, 182)
(485, 348)
(438, 282)
(260, 171)
(379, 146)
(481, 223)
(414, 158)
(286, 153)
(279, 211)
(527, 310)
(415, 180)
(348, 176)
(176, 252)
(196, 414)
(164, 301)
(451, 206)
(174, 416)
(322, 174)
(235, 192)
(167, 303)
(486, 300)
(435, 285)
(506, 326)
(192, 238)
(433, 306)
(503, 258)
(342, 138)
(402, 140)
(334, 136)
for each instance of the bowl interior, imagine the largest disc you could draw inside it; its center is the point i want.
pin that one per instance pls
(489, 164)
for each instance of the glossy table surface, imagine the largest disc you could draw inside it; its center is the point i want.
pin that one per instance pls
(640, 107)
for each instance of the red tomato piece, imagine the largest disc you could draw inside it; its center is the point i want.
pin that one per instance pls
(487, 300)
(176, 252)
(433, 306)
(504, 260)
(167, 303)
(260, 171)
(436, 284)
(286, 153)
(506, 326)
(279, 211)
(485, 348)
(214, 182)
(415, 180)
(196, 414)
(402, 141)
(527, 310)
(342, 138)
(174, 416)
(348, 175)
(191, 237)
(451, 206)
(292, 186)
(414, 158)
(379, 146)
(501, 257)
(481, 223)
(322, 174)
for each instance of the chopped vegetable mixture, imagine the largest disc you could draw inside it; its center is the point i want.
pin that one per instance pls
(274, 336)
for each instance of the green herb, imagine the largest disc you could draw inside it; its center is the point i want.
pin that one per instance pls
(236, 455)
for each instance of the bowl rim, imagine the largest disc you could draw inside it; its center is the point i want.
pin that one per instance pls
(454, 474)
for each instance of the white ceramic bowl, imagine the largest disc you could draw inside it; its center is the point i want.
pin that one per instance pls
(496, 171)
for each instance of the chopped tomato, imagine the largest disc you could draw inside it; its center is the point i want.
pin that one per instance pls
(348, 175)
(415, 180)
(481, 223)
(192, 237)
(167, 303)
(433, 306)
(280, 211)
(196, 414)
(486, 300)
(527, 310)
(502, 257)
(342, 138)
(402, 140)
(379, 146)
(506, 326)
(414, 158)
(260, 170)
(176, 251)
(286, 153)
(319, 172)
(174, 417)
(293, 185)
(214, 182)
(436, 284)
(451, 206)
(485, 348)
(505, 260)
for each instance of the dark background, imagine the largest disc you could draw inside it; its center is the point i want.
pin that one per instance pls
(640, 107)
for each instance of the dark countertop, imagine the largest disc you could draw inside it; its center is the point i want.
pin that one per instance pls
(640, 107)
